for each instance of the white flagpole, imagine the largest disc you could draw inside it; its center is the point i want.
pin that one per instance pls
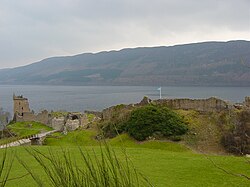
(160, 92)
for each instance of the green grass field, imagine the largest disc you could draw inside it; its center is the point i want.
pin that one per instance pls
(164, 163)
(162, 167)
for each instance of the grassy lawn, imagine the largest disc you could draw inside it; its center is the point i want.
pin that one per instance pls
(164, 163)
(162, 167)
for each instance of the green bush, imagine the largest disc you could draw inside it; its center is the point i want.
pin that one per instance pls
(149, 120)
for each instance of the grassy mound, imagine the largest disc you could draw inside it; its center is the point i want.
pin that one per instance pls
(206, 130)
(125, 141)
(74, 138)
(87, 138)
(23, 129)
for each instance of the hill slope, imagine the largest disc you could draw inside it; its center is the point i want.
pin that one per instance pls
(208, 63)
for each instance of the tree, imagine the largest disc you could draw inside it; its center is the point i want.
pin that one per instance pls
(4, 118)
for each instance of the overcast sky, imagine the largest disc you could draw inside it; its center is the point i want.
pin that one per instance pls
(31, 30)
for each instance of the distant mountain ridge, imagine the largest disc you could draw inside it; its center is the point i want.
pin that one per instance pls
(198, 64)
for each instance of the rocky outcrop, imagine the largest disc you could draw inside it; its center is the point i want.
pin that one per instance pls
(145, 101)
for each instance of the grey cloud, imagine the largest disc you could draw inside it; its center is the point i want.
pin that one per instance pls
(32, 30)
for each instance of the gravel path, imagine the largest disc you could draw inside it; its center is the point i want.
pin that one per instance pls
(26, 140)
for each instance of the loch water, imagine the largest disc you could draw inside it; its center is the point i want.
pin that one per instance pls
(80, 98)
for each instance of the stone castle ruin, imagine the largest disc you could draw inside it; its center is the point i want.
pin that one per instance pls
(66, 122)
(69, 122)
(73, 120)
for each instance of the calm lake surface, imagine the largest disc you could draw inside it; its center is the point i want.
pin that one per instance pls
(80, 98)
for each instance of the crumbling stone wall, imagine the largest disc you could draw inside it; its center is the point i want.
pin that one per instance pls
(72, 125)
(202, 105)
(42, 117)
(84, 120)
(69, 122)
(57, 123)
(27, 116)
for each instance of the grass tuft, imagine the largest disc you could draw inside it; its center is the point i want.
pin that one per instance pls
(93, 169)
(5, 167)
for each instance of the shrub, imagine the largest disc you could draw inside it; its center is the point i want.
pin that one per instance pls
(111, 129)
(117, 124)
(148, 120)
(237, 139)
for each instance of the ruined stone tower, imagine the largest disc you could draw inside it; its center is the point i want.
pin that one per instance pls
(21, 105)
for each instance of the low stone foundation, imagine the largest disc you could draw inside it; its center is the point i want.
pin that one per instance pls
(70, 122)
